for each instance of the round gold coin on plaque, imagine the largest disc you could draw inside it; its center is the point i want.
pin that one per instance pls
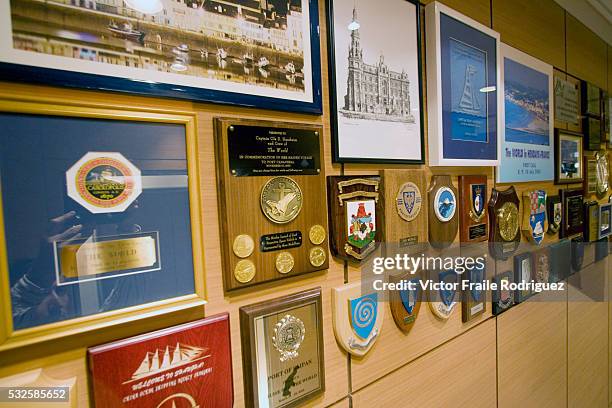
(317, 256)
(243, 246)
(281, 200)
(284, 262)
(317, 234)
(507, 218)
(244, 271)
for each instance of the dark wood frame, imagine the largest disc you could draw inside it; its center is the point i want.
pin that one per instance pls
(518, 275)
(564, 195)
(247, 326)
(333, 92)
(578, 136)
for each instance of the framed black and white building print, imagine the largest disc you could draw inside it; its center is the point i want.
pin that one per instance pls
(463, 77)
(263, 54)
(375, 81)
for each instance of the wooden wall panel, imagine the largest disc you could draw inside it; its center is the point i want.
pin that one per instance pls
(532, 354)
(479, 10)
(587, 339)
(534, 27)
(460, 373)
(586, 53)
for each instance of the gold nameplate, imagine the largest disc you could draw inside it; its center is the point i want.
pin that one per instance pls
(107, 256)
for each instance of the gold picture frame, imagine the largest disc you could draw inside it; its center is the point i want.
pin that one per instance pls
(11, 338)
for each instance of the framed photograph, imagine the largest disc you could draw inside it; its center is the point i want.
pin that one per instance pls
(591, 100)
(82, 242)
(605, 220)
(523, 273)
(263, 54)
(284, 336)
(188, 365)
(567, 101)
(375, 81)
(568, 157)
(463, 77)
(525, 101)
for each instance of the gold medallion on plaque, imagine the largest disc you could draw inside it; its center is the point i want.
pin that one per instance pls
(317, 234)
(281, 200)
(243, 246)
(507, 218)
(284, 262)
(244, 271)
(317, 256)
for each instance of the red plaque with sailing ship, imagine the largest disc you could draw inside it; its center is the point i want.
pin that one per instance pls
(186, 366)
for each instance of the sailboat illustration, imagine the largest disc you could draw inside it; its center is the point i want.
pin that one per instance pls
(169, 358)
(469, 100)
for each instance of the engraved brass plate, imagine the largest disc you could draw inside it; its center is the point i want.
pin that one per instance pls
(281, 200)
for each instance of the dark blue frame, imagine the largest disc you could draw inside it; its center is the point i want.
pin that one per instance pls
(465, 149)
(54, 77)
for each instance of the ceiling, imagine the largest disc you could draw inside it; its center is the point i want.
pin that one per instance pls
(595, 14)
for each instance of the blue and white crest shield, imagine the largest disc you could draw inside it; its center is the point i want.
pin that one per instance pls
(363, 314)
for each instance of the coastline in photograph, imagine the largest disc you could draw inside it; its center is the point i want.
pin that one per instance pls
(255, 42)
(526, 104)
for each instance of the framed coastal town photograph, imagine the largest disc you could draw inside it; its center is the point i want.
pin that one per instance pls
(463, 78)
(525, 101)
(375, 81)
(257, 53)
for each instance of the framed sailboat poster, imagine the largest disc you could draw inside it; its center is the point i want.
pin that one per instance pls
(526, 146)
(263, 54)
(375, 81)
(462, 85)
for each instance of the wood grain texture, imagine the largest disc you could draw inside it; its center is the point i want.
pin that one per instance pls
(535, 27)
(241, 212)
(459, 373)
(479, 10)
(588, 324)
(532, 353)
(586, 53)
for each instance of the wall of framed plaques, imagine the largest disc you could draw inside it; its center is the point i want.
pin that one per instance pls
(407, 341)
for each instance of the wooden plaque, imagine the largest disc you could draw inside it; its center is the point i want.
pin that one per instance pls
(591, 217)
(183, 366)
(572, 222)
(541, 270)
(474, 298)
(405, 208)
(590, 176)
(502, 297)
(405, 303)
(473, 223)
(271, 200)
(282, 350)
(356, 215)
(592, 131)
(523, 273)
(554, 214)
(504, 232)
(443, 217)
(559, 257)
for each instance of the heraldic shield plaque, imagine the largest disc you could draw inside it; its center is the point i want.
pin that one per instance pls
(183, 366)
(443, 217)
(504, 233)
(82, 194)
(357, 318)
(271, 201)
(282, 350)
(472, 209)
(356, 216)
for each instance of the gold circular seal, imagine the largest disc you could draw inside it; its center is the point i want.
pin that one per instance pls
(244, 271)
(507, 219)
(317, 234)
(281, 200)
(284, 262)
(243, 246)
(317, 256)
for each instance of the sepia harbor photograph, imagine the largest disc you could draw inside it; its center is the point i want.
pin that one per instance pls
(254, 42)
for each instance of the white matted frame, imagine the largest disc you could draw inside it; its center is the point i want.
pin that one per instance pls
(546, 69)
(434, 84)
